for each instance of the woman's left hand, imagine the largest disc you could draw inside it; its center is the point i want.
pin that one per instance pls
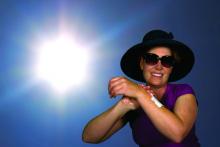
(129, 103)
(125, 87)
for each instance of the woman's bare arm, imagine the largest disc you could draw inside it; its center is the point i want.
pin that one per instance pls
(174, 125)
(103, 126)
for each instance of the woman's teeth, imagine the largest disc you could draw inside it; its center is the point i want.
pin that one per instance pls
(157, 74)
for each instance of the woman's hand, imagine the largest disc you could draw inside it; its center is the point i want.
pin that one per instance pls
(129, 103)
(149, 90)
(125, 87)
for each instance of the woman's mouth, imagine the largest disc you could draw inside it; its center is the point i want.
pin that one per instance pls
(157, 74)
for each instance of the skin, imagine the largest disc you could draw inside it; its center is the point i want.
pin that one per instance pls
(174, 125)
(157, 76)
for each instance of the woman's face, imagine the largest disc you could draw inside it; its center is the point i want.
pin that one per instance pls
(156, 75)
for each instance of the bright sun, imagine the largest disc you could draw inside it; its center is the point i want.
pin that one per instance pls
(61, 62)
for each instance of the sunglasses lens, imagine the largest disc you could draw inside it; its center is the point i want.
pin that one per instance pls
(167, 61)
(151, 59)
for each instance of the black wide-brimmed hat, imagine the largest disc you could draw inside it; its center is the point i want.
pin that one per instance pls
(130, 62)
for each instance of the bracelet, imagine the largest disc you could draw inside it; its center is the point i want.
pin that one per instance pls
(156, 102)
(153, 98)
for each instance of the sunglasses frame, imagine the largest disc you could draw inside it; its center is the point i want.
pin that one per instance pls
(165, 63)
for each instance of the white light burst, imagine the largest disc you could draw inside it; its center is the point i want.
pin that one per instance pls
(61, 62)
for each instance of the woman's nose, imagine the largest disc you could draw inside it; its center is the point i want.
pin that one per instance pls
(159, 66)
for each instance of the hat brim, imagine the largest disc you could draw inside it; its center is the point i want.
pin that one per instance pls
(130, 61)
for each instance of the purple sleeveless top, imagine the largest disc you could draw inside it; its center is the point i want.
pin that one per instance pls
(144, 132)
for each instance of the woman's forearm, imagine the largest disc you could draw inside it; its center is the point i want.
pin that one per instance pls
(172, 125)
(97, 129)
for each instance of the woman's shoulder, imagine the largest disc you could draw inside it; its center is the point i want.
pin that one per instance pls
(174, 91)
(180, 85)
(181, 89)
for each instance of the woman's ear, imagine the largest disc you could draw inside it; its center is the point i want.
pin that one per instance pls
(142, 63)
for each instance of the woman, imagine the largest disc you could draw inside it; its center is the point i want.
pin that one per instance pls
(160, 114)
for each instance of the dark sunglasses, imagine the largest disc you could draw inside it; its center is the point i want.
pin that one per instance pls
(152, 59)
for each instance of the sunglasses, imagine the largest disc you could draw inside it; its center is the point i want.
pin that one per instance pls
(152, 59)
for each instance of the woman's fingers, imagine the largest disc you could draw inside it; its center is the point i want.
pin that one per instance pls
(115, 84)
(116, 90)
(125, 100)
(130, 102)
(113, 81)
(122, 86)
(148, 89)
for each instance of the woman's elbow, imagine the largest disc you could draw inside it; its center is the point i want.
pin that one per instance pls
(85, 139)
(178, 137)
(88, 139)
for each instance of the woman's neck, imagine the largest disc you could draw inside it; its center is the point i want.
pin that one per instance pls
(159, 91)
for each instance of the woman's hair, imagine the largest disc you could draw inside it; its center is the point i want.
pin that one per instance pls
(175, 56)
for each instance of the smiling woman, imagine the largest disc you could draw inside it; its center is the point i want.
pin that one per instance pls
(160, 113)
(61, 62)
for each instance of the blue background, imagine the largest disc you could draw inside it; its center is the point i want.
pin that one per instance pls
(31, 115)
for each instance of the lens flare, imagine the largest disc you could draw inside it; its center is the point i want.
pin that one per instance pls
(61, 62)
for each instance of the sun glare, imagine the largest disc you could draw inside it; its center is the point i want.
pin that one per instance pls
(61, 63)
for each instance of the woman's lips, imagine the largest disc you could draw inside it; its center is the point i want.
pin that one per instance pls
(157, 74)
